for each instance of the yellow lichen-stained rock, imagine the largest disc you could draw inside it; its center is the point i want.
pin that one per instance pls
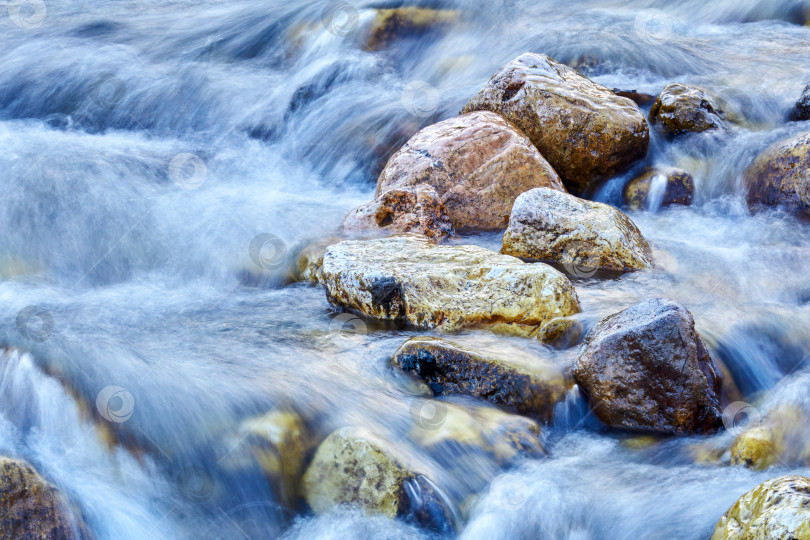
(356, 468)
(659, 187)
(582, 128)
(775, 510)
(561, 333)
(279, 442)
(754, 448)
(32, 508)
(390, 25)
(410, 209)
(410, 279)
(780, 176)
(683, 108)
(510, 378)
(478, 163)
(782, 437)
(552, 226)
(307, 261)
(484, 432)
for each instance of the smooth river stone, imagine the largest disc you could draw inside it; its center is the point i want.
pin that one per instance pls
(410, 279)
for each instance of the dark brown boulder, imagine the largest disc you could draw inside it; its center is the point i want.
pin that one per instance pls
(526, 386)
(647, 369)
(31, 508)
(683, 108)
(801, 111)
(780, 176)
(677, 187)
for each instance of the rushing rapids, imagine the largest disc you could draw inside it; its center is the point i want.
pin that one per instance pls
(165, 161)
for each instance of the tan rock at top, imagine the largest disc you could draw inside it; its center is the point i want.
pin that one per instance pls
(775, 510)
(582, 128)
(478, 163)
(410, 279)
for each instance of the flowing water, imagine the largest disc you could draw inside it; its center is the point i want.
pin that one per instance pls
(147, 143)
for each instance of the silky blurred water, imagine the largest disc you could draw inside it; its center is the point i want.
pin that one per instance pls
(146, 144)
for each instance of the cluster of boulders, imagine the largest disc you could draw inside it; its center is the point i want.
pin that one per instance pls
(516, 160)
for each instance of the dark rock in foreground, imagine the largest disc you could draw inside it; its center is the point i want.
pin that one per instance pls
(526, 386)
(647, 369)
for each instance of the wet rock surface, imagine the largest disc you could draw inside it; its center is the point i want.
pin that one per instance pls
(583, 236)
(801, 111)
(279, 441)
(31, 508)
(660, 187)
(780, 176)
(356, 468)
(478, 163)
(475, 432)
(776, 509)
(411, 209)
(647, 369)
(682, 108)
(391, 25)
(561, 333)
(582, 128)
(409, 279)
(782, 437)
(514, 381)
